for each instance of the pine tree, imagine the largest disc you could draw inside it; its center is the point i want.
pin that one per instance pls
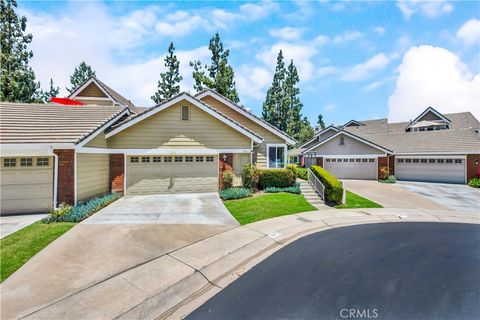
(306, 132)
(168, 85)
(220, 74)
(320, 122)
(293, 106)
(274, 101)
(17, 79)
(80, 75)
(50, 93)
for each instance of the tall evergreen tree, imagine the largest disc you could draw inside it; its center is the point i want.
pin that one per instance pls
(80, 75)
(273, 107)
(168, 85)
(293, 103)
(320, 122)
(52, 92)
(17, 79)
(306, 132)
(220, 74)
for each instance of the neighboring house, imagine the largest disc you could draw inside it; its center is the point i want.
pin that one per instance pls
(433, 147)
(54, 153)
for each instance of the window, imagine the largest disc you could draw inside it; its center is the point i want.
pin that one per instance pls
(416, 160)
(185, 113)
(458, 160)
(178, 159)
(167, 159)
(345, 160)
(364, 160)
(145, 159)
(26, 162)
(371, 160)
(133, 159)
(334, 160)
(157, 159)
(431, 160)
(209, 158)
(352, 160)
(328, 160)
(449, 161)
(42, 162)
(408, 160)
(400, 160)
(423, 160)
(440, 161)
(342, 141)
(358, 160)
(276, 156)
(188, 159)
(199, 159)
(9, 162)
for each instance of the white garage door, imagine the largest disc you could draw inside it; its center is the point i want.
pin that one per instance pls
(26, 185)
(171, 174)
(352, 168)
(431, 170)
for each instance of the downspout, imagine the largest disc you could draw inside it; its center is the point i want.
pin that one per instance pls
(55, 181)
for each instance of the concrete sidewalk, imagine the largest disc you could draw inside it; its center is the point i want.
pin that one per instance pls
(11, 224)
(176, 283)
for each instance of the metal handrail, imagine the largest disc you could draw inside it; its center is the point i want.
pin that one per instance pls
(316, 184)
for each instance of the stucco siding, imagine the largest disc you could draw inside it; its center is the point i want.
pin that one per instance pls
(268, 136)
(166, 130)
(98, 142)
(350, 147)
(92, 175)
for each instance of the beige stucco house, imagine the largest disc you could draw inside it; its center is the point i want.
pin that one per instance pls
(57, 153)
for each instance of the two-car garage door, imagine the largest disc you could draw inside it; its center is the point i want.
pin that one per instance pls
(170, 174)
(439, 169)
(352, 168)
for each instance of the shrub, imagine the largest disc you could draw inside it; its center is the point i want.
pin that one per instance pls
(293, 169)
(295, 189)
(390, 179)
(279, 178)
(250, 177)
(302, 173)
(227, 179)
(61, 211)
(333, 187)
(235, 193)
(81, 212)
(383, 173)
(474, 183)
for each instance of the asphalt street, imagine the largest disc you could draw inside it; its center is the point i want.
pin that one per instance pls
(376, 271)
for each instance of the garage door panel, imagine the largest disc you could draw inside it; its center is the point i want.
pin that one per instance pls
(27, 191)
(431, 172)
(11, 177)
(352, 170)
(171, 177)
(25, 206)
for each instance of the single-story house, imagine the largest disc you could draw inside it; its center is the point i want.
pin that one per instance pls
(53, 153)
(433, 148)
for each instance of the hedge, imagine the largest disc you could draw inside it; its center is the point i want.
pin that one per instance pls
(295, 189)
(235, 193)
(302, 173)
(278, 178)
(333, 187)
(81, 212)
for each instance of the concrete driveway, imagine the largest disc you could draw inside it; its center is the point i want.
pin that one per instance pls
(11, 224)
(130, 232)
(192, 208)
(390, 195)
(453, 196)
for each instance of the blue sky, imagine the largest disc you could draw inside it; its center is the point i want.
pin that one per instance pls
(356, 60)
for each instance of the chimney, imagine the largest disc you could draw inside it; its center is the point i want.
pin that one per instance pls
(317, 128)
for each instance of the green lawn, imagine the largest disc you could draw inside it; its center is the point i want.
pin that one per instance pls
(19, 247)
(354, 201)
(267, 206)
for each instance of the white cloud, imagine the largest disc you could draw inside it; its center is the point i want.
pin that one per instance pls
(347, 36)
(253, 82)
(321, 40)
(470, 32)
(178, 24)
(430, 9)
(379, 30)
(300, 53)
(326, 71)
(433, 76)
(365, 70)
(287, 33)
(372, 86)
(329, 107)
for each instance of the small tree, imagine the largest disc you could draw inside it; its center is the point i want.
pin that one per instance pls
(168, 85)
(81, 74)
(52, 92)
(320, 122)
(306, 132)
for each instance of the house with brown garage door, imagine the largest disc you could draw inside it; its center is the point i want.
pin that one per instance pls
(56, 153)
(432, 148)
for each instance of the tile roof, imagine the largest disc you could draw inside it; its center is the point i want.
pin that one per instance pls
(51, 123)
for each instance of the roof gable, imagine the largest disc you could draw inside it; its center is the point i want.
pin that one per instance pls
(176, 99)
(245, 113)
(430, 114)
(353, 123)
(317, 136)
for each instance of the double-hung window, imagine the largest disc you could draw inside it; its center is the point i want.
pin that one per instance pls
(276, 155)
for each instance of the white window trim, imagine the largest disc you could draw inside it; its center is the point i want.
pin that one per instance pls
(284, 153)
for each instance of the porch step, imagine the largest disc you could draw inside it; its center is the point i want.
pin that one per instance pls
(310, 194)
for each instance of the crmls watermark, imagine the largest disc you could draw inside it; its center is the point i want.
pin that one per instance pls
(359, 313)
